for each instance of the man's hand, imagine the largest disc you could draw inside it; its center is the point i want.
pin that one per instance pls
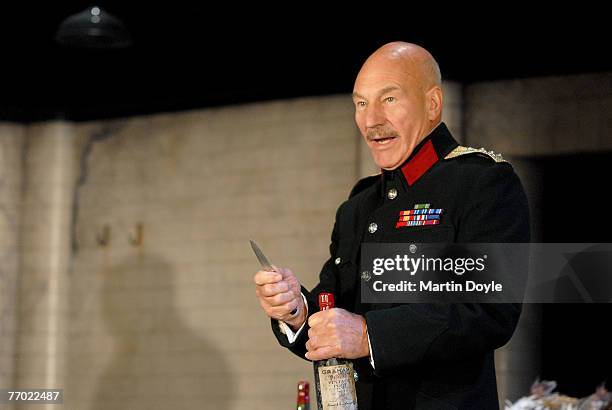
(279, 293)
(337, 333)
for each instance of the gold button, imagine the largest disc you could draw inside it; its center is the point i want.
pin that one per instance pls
(392, 193)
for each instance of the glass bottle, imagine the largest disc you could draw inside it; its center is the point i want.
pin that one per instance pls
(303, 398)
(334, 378)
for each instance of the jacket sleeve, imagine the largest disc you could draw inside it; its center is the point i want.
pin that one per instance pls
(495, 211)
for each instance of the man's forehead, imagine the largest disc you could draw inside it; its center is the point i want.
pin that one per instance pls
(380, 82)
(367, 92)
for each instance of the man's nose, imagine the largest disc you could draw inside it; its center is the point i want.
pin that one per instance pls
(374, 116)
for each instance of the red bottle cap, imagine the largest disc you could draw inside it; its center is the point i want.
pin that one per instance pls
(326, 300)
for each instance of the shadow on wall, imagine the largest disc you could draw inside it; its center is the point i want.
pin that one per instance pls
(158, 363)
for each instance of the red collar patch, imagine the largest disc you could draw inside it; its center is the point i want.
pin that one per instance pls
(420, 163)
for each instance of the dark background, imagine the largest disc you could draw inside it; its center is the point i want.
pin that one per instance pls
(576, 341)
(186, 56)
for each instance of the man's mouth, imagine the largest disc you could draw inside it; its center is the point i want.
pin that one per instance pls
(382, 141)
(379, 136)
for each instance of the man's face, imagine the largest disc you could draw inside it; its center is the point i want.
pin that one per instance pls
(390, 111)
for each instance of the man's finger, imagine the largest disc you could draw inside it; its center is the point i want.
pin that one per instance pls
(322, 353)
(286, 272)
(310, 344)
(313, 343)
(263, 277)
(311, 333)
(282, 311)
(318, 342)
(317, 318)
(273, 289)
(279, 299)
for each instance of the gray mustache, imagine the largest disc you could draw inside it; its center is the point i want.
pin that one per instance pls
(380, 132)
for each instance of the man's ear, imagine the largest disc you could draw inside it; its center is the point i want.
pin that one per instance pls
(434, 103)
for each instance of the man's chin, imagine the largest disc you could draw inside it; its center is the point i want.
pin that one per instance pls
(386, 164)
(387, 167)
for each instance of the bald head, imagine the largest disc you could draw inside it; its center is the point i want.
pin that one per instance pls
(411, 59)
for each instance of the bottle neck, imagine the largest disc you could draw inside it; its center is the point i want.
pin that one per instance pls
(326, 301)
(303, 397)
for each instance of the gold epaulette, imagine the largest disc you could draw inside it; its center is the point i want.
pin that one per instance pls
(460, 150)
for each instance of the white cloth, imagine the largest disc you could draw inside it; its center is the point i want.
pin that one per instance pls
(286, 329)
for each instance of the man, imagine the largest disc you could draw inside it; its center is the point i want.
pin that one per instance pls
(410, 356)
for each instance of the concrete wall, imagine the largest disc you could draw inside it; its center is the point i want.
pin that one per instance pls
(45, 254)
(136, 287)
(541, 116)
(11, 177)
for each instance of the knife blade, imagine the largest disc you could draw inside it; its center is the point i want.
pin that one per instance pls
(263, 261)
(265, 264)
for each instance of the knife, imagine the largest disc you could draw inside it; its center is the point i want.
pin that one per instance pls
(263, 261)
(265, 264)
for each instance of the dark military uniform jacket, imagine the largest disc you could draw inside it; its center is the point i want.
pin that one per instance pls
(426, 356)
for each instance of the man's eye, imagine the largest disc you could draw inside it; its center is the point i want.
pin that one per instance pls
(361, 104)
(390, 99)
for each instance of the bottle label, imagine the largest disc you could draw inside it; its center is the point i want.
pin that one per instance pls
(338, 387)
